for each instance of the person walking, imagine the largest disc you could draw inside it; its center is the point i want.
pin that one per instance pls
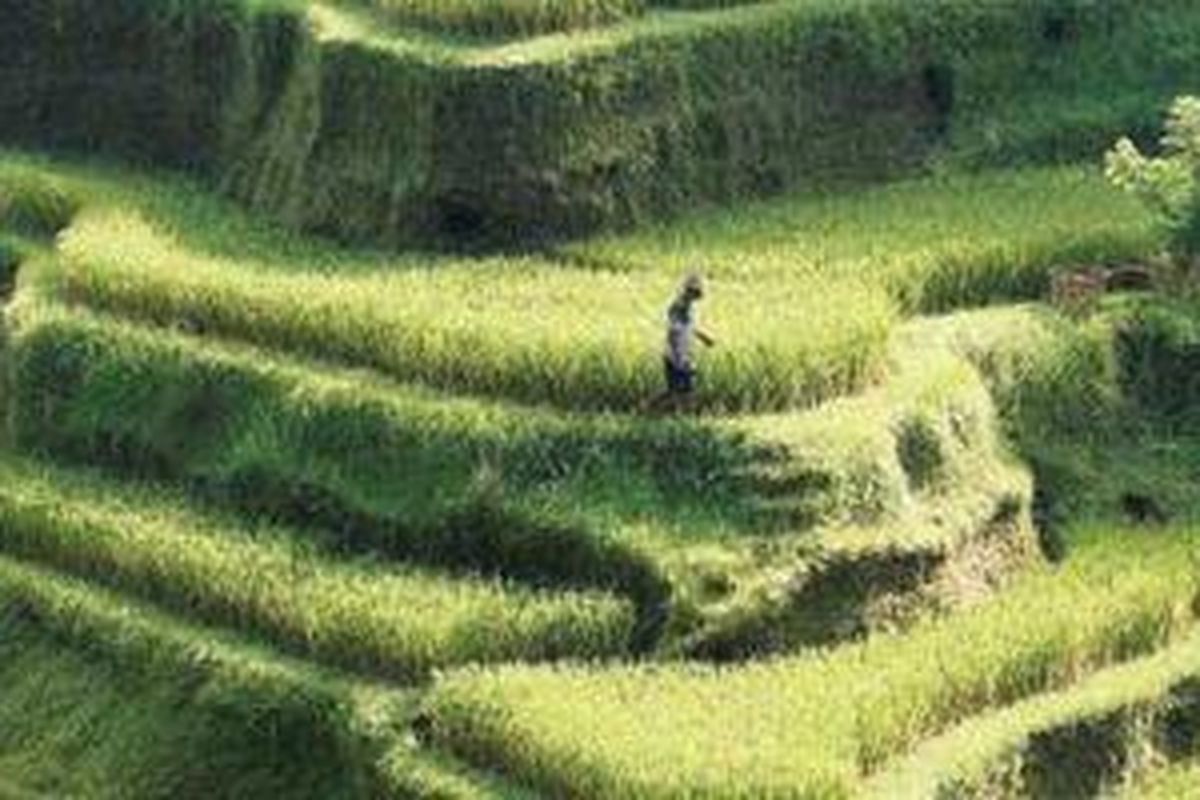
(678, 367)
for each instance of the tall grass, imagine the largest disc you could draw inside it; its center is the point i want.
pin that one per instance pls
(589, 335)
(107, 699)
(399, 622)
(533, 330)
(1176, 783)
(509, 18)
(809, 726)
(1109, 729)
(361, 468)
(934, 244)
(524, 329)
(644, 507)
(169, 403)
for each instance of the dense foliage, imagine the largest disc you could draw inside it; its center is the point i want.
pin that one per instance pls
(283, 517)
(335, 125)
(1167, 183)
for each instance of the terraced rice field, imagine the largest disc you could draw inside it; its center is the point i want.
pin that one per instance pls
(292, 507)
(743, 548)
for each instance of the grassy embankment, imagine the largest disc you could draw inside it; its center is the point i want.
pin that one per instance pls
(1094, 410)
(338, 129)
(407, 472)
(263, 580)
(1030, 360)
(1119, 727)
(1113, 599)
(102, 698)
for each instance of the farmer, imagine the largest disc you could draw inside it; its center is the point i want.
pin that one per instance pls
(679, 370)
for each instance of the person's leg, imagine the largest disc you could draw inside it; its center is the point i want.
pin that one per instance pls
(682, 385)
(663, 400)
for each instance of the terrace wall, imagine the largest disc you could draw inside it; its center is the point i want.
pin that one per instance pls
(398, 145)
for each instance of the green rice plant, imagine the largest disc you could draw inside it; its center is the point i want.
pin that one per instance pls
(676, 514)
(1099, 409)
(1177, 782)
(162, 252)
(518, 328)
(1084, 741)
(934, 243)
(142, 705)
(504, 17)
(335, 127)
(401, 623)
(903, 486)
(361, 466)
(594, 338)
(1049, 376)
(810, 726)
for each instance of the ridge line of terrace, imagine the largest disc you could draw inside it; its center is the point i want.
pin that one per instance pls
(334, 24)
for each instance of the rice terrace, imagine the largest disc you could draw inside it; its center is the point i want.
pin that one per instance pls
(599, 399)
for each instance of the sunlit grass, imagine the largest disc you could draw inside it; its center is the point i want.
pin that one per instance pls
(1132, 709)
(804, 292)
(810, 726)
(502, 17)
(392, 621)
(522, 328)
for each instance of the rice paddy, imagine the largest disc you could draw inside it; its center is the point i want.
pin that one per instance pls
(333, 456)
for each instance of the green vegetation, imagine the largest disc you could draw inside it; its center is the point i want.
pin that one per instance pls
(1177, 783)
(733, 536)
(336, 128)
(932, 244)
(721, 516)
(339, 614)
(504, 17)
(576, 500)
(119, 692)
(1167, 184)
(360, 522)
(1109, 730)
(463, 326)
(770, 730)
(407, 476)
(594, 342)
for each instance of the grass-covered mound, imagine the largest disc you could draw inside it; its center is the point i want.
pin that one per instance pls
(732, 535)
(334, 124)
(582, 329)
(771, 729)
(487, 18)
(401, 623)
(103, 699)
(1110, 730)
